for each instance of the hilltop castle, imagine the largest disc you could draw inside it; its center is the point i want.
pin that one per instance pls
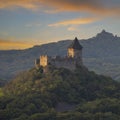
(73, 58)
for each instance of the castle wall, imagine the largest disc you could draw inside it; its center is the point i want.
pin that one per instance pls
(78, 57)
(65, 63)
(37, 63)
(78, 54)
(73, 59)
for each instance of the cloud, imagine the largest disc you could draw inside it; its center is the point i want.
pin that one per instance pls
(72, 28)
(93, 6)
(7, 45)
(75, 5)
(77, 21)
(28, 4)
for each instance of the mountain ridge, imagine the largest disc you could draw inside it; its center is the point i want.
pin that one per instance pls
(99, 52)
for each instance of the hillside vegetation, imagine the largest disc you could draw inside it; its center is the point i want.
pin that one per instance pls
(1, 92)
(34, 95)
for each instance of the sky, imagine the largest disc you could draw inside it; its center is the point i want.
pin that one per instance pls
(25, 23)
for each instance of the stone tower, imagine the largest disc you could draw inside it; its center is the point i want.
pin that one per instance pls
(44, 60)
(75, 50)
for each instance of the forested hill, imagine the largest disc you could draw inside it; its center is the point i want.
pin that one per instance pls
(60, 94)
(100, 53)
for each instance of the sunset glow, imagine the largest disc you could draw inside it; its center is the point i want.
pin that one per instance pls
(24, 23)
(13, 45)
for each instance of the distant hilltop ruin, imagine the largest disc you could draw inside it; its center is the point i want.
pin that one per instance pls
(70, 61)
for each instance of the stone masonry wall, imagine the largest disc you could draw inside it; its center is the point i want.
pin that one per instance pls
(69, 64)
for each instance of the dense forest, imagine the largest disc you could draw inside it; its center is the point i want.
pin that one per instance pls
(60, 94)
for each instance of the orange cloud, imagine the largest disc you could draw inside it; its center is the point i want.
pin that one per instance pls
(77, 21)
(73, 5)
(7, 45)
(17, 3)
(94, 6)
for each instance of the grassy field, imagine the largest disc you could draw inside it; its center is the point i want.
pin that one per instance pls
(1, 93)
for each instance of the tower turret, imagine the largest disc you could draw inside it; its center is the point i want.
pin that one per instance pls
(75, 49)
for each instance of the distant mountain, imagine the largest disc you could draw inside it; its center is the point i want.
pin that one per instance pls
(100, 53)
(2, 82)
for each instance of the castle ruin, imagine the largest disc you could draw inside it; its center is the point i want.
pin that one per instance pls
(70, 61)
